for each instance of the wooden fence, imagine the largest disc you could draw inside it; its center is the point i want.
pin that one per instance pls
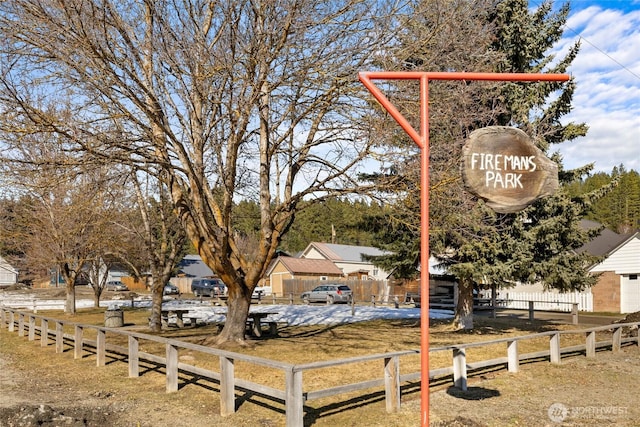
(292, 391)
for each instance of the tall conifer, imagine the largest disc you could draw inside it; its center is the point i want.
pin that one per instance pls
(478, 245)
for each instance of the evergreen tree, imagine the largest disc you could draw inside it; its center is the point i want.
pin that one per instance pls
(619, 210)
(476, 244)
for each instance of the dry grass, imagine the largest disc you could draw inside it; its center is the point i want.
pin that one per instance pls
(294, 345)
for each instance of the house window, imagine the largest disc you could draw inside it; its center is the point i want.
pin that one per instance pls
(323, 278)
(375, 271)
(633, 277)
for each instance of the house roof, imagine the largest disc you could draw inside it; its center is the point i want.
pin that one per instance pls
(603, 244)
(5, 266)
(346, 253)
(193, 266)
(308, 266)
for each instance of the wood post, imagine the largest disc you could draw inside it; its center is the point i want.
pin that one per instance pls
(101, 343)
(44, 332)
(460, 368)
(554, 348)
(513, 361)
(134, 357)
(294, 400)
(20, 324)
(32, 328)
(59, 337)
(574, 313)
(172, 368)
(12, 320)
(77, 341)
(392, 383)
(531, 311)
(591, 344)
(616, 342)
(227, 386)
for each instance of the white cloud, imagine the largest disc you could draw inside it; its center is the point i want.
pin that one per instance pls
(607, 97)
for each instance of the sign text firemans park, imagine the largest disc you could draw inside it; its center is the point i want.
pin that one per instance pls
(502, 166)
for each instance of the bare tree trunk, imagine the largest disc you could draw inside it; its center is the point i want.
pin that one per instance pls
(97, 292)
(237, 314)
(70, 302)
(155, 320)
(464, 308)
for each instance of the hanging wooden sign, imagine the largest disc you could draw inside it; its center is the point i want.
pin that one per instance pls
(502, 165)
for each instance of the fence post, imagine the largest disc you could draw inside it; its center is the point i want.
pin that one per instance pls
(353, 306)
(20, 324)
(134, 357)
(227, 386)
(12, 326)
(616, 340)
(44, 332)
(392, 383)
(531, 311)
(460, 368)
(554, 348)
(2, 317)
(574, 313)
(373, 300)
(513, 361)
(77, 342)
(101, 343)
(35, 306)
(591, 344)
(291, 298)
(32, 327)
(59, 337)
(172, 368)
(294, 402)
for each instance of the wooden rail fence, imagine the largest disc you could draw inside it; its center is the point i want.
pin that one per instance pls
(293, 392)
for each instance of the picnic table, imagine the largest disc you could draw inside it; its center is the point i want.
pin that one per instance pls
(255, 321)
(179, 312)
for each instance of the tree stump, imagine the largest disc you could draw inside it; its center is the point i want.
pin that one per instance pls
(114, 318)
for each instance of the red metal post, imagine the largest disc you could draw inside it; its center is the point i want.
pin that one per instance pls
(422, 140)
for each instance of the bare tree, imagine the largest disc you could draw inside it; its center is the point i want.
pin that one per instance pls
(63, 213)
(154, 228)
(233, 100)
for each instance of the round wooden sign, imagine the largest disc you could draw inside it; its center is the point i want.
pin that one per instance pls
(501, 165)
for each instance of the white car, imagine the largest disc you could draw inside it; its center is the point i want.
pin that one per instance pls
(116, 285)
(329, 293)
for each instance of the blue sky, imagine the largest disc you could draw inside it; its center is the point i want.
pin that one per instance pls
(607, 72)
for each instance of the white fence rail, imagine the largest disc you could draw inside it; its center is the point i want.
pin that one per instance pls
(546, 300)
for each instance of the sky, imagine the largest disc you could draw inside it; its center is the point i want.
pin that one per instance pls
(607, 73)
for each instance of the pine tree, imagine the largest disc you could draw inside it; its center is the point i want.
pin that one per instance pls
(476, 244)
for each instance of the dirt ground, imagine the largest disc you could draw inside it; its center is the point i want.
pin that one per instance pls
(41, 388)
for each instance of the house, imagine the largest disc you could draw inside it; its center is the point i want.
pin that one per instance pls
(349, 259)
(8, 274)
(193, 266)
(287, 268)
(618, 287)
